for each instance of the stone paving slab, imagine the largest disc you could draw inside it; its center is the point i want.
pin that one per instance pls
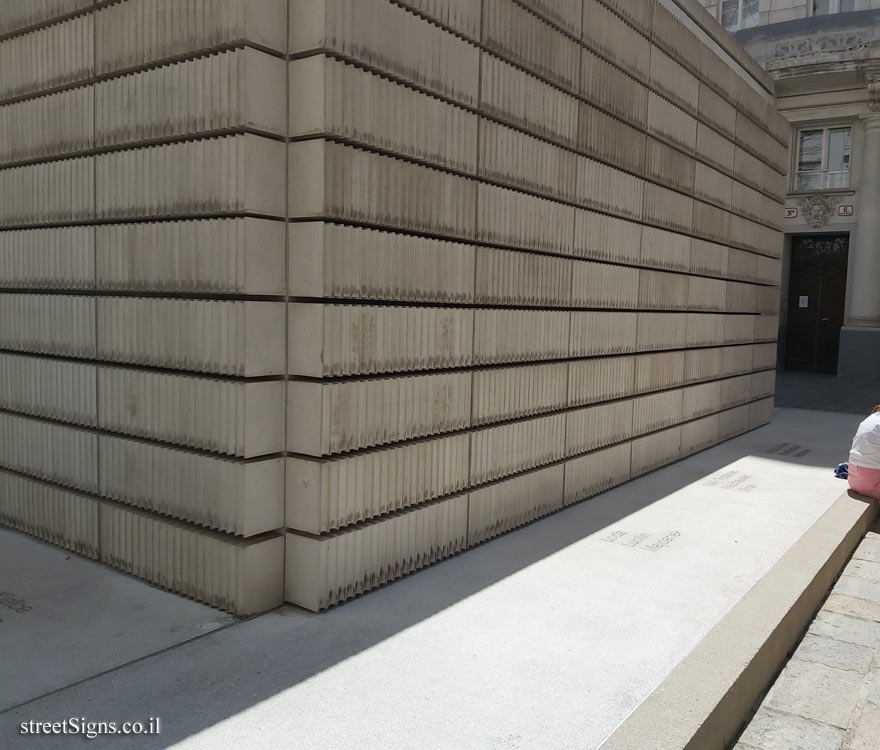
(828, 695)
(64, 618)
(807, 390)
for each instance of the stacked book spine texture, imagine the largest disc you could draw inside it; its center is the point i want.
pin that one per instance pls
(300, 296)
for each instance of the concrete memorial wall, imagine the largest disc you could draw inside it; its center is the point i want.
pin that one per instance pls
(299, 297)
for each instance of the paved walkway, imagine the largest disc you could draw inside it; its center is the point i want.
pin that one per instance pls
(548, 637)
(807, 390)
(828, 695)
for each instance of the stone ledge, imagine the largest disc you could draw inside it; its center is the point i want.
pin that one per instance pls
(711, 692)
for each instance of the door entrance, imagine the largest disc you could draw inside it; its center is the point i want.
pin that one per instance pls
(816, 297)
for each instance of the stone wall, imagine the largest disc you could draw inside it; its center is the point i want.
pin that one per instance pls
(344, 287)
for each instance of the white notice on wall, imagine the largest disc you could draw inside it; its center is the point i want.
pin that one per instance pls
(803, 301)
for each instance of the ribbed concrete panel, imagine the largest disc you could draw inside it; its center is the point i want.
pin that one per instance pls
(606, 138)
(328, 418)
(327, 340)
(500, 507)
(703, 433)
(55, 124)
(663, 249)
(522, 161)
(596, 472)
(331, 493)
(21, 14)
(242, 576)
(47, 57)
(50, 388)
(566, 14)
(217, 336)
(224, 174)
(47, 193)
(657, 449)
(639, 13)
(611, 89)
(527, 102)
(593, 380)
(734, 422)
(669, 123)
(597, 426)
(507, 449)
(510, 392)
(461, 16)
(375, 32)
(764, 355)
(762, 384)
(604, 237)
(323, 571)
(599, 333)
(50, 513)
(54, 452)
(236, 418)
(520, 335)
(703, 364)
(611, 36)
(53, 258)
(515, 219)
(735, 391)
(216, 256)
(604, 285)
(665, 331)
(655, 372)
(760, 412)
(656, 411)
(223, 91)
(698, 400)
(238, 497)
(503, 277)
(339, 261)
(736, 359)
(329, 97)
(389, 192)
(138, 32)
(48, 324)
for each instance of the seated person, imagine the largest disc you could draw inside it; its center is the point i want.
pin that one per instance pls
(864, 458)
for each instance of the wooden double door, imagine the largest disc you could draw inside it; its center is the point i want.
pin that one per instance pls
(816, 300)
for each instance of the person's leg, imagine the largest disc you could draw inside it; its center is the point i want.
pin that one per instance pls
(865, 481)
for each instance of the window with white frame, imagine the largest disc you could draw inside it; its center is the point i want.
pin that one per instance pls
(827, 7)
(738, 14)
(823, 158)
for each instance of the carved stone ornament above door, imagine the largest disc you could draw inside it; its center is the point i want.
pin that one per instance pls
(817, 210)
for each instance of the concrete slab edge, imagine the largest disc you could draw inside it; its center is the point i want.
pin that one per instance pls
(704, 702)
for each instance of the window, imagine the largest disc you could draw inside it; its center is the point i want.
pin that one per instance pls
(826, 7)
(823, 158)
(739, 14)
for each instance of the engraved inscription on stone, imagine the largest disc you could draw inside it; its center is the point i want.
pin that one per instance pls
(731, 480)
(642, 540)
(790, 449)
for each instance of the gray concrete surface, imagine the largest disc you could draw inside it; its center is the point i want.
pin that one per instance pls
(809, 390)
(828, 695)
(547, 637)
(64, 619)
(702, 703)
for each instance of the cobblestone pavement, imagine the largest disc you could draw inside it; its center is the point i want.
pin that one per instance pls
(828, 695)
(807, 390)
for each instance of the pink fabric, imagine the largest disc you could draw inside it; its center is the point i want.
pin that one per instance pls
(865, 481)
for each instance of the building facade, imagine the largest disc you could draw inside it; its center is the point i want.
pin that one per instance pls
(824, 57)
